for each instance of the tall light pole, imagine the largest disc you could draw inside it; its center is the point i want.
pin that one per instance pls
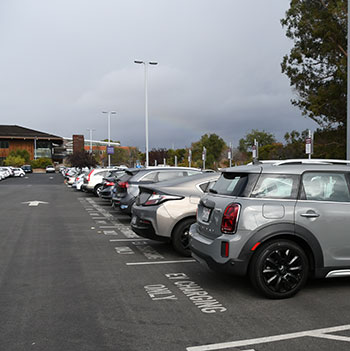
(146, 101)
(348, 92)
(109, 113)
(90, 130)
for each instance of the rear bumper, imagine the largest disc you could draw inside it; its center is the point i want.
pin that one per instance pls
(210, 251)
(123, 203)
(106, 194)
(234, 267)
(145, 229)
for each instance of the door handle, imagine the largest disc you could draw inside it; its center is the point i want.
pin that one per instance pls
(310, 215)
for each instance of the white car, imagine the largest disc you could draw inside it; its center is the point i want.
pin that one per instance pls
(50, 169)
(93, 181)
(18, 172)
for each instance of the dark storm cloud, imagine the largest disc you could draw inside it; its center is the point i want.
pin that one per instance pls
(64, 62)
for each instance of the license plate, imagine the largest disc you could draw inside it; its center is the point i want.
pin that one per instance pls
(205, 214)
(133, 220)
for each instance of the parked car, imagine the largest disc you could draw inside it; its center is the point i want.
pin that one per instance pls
(78, 180)
(10, 170)
(50, 169)
(108, 183)
(18, 172)
(27, 168)
(165, 211)
(94, 180)
(4, 173)
(127, 188)
(279, 223)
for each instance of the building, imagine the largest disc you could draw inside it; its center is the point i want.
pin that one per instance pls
(38, 144)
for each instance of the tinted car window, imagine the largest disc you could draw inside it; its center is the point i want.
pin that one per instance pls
(325, 187)
(204, 186)
(276, 186)
(230, 184)
(150, 177)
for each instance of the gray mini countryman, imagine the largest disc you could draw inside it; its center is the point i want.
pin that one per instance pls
(278, 222)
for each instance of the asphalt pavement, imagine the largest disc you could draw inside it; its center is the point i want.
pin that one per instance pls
(73, 276)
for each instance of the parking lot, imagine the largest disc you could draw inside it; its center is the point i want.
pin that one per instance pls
(74, 276)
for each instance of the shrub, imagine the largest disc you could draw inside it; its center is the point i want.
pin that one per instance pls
(41, 162)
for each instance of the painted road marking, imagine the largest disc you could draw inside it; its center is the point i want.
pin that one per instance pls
(110, 232)
(316, 333)
(158, 262)
(34, 203)
(124, 250)
(129, 239)
(107, 226)
(196, 294)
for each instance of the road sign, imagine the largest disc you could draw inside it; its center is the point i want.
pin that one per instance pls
(110, 150)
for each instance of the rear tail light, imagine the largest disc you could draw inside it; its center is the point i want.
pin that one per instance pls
(156, 199)
(123, 185)
(109, 184)
(230, 218)
(89, 175)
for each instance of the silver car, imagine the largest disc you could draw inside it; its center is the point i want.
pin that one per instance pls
(165, 211)
(279, 223)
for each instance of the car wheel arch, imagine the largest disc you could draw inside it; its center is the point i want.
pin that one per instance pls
(177, 238)
(288, 231)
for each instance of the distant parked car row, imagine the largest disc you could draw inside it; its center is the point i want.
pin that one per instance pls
(6, 172)
(161, 201)
(278, 222)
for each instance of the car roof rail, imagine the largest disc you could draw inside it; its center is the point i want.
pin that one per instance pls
(318, 161)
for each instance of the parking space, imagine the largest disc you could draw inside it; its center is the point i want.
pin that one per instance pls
(172, 281)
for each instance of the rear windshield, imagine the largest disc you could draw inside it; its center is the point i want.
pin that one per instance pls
(233, 184)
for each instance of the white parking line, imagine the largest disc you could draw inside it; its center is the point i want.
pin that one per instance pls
(158, 262)
(108, 226)
(316, 333)
(129, 239)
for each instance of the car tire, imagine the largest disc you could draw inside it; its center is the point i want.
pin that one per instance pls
(279, 269)
(180, 237)
(98, 189)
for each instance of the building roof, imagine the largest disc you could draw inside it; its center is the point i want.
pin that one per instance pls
(18, 132)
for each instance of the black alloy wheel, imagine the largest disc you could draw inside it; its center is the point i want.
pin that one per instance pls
(279, 269)
(181, 237)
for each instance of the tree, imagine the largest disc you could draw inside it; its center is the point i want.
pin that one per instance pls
(317, 64)
(295, 144)
(215, 147)
(125, 156)
(81, 159)
(262, 137)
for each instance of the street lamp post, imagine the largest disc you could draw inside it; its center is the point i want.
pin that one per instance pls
(146, 101)
(348, 92)
(90, 130)
(109, 113)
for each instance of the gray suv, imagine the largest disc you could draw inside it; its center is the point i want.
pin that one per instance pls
(279, 223)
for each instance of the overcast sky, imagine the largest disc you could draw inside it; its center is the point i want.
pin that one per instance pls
(64, 61)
